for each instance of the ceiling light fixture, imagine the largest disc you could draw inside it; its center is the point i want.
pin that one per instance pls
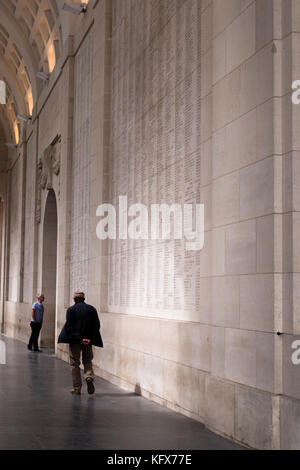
(10, 145)
(76, 9)
(43, 76)
(24, 117)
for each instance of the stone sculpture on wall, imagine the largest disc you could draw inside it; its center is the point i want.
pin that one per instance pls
(48, 167)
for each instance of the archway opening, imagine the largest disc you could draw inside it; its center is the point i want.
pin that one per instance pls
(2, 263)
(49, 268)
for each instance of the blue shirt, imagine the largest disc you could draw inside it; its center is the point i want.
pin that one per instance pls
(39, 312)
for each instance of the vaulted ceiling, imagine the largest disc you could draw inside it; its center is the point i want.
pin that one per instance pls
(30, 41)
(31, 36)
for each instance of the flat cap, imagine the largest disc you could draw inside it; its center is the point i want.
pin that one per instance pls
(79, 294)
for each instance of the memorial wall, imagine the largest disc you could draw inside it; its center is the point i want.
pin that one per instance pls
(156, 109)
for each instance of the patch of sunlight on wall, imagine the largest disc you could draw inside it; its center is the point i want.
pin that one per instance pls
(16, 132)
(51, 57)
(30, 100)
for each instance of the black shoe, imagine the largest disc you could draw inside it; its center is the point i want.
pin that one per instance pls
(38, 350)
(90, 386)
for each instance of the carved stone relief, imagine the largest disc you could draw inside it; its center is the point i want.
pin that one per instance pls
(48, 168)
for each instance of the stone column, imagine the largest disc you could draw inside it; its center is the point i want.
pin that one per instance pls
(289, 400)
(6, 246)
(245, 202)
(22, 195)
(64, 207)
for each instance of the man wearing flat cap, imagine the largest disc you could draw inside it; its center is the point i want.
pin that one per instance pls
(81, 331)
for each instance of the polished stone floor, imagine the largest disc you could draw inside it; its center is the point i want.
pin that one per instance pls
(38, 412)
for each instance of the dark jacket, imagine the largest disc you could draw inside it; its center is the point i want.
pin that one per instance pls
(82, 323)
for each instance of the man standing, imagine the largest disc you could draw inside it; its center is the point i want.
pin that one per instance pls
(36, 323)
(81, 331)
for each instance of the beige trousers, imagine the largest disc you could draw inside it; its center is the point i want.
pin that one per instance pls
(75, 351)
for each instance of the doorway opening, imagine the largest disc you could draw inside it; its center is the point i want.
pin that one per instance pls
(2, 264)
(49, 269)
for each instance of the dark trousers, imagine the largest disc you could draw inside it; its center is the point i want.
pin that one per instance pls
(76, 350)
(35, 332)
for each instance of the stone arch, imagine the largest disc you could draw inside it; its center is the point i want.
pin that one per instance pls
(49, 268)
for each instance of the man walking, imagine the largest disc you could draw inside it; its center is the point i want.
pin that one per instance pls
(36, 323)
(81, 331)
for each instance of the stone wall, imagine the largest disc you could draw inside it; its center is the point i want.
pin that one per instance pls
(192, 119)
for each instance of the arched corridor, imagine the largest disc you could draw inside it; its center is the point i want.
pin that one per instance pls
(149, 159)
